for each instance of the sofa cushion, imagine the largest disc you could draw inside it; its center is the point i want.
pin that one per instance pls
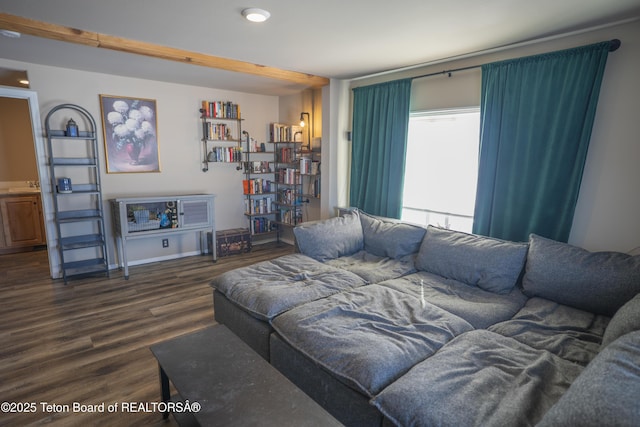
(387, 237)
(373, 268)
(268, 288)
(606, 393)
(600, 282)
(331, 238)
(370, 336)
(491, 264)
(626, 319)
(475, 305)
(567, 332)
(478, 379)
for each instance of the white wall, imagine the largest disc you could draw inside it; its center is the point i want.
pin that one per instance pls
(337, 147)
(606, 216)
(178, 138)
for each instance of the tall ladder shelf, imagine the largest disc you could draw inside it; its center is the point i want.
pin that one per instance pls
(79, 216)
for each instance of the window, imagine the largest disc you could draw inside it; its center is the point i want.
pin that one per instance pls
(442, 168)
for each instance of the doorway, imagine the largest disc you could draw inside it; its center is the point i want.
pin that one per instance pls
(42, 170)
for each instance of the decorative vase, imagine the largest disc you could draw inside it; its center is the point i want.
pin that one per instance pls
(134, 152)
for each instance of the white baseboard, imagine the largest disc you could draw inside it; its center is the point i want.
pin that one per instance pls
(158, 259)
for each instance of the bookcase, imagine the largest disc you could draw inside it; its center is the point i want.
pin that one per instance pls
(221, 133)
(259, 189)
(310, 162)
(287, 143)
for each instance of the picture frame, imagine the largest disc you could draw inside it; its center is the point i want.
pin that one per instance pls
(130, 132)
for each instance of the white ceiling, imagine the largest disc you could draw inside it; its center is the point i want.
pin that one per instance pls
(330, 38)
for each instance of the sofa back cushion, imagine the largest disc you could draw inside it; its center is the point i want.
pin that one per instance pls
(491, 264)
(599, 282)
(626, 319)
(389, 237)
(606, 392)
(331, 238)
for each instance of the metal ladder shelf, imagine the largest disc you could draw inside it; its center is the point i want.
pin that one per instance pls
(79, 215)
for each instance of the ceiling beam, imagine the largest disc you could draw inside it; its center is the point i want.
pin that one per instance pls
(88, 38)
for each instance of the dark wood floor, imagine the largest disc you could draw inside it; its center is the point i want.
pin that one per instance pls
(88, 341)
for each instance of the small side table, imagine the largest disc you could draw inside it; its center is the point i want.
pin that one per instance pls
(233, 385)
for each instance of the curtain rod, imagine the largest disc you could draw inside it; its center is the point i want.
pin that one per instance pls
(614, 45)
(496, 49)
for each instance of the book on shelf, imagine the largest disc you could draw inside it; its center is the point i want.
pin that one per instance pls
(286, 155)
(258, 206)
(305, 165)
(308, 166)
(257, 167)
(288, 176)
(291, 216)
(218, 132)
(261, 225)
(225, 154)
(221, 110)
(289, 197)
(256, 186)
(259, 147)
(315, 168)
(279, 132)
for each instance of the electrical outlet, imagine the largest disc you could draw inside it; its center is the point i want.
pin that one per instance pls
(165, 243)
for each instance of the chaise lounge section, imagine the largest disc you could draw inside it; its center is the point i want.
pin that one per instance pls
(404, 325)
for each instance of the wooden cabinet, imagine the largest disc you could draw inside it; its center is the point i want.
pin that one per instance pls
(21, 220)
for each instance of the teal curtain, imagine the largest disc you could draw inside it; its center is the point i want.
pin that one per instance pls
(379, 146)
(536, 118)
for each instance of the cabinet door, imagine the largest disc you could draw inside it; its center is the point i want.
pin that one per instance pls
(21, 221)
(195, 213)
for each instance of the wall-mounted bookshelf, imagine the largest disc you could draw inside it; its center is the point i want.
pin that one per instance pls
(221, 133)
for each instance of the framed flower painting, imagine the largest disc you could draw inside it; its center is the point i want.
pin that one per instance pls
(130, 134)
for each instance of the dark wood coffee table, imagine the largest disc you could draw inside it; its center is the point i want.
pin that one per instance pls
(230, 384)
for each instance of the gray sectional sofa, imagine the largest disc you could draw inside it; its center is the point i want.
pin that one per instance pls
(388, 323)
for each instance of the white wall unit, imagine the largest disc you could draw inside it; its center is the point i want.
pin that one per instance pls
(145, 217)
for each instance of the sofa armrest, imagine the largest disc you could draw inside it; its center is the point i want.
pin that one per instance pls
(606, 392)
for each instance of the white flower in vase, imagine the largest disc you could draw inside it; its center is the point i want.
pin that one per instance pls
(121, 107)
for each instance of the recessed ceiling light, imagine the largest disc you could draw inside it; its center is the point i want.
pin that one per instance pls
(254, 14)
(24, 81)
(10, 34)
